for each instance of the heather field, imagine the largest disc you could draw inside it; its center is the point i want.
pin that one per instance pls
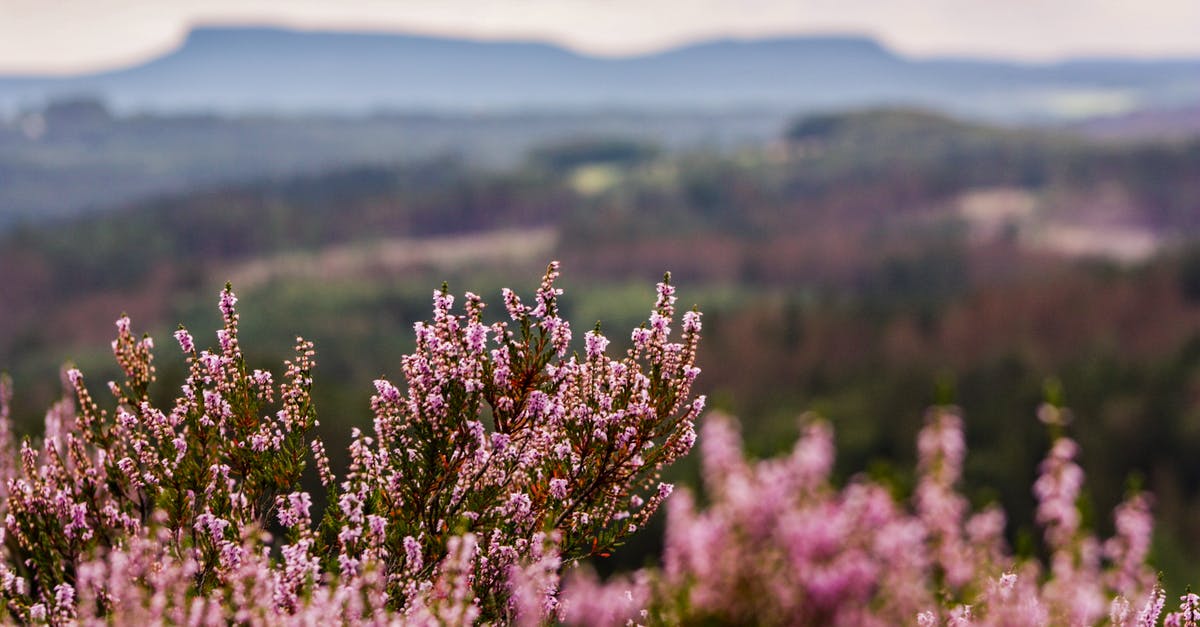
(503, 463)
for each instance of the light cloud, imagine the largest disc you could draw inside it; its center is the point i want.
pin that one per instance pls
(71, 36)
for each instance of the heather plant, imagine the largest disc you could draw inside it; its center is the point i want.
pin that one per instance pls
(499, 462)
(503, 436)
(778, 544)
(502, 458)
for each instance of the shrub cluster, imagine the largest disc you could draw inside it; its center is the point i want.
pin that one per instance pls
(777, 544)
(503, 459)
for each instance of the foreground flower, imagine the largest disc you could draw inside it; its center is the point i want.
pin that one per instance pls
(777, 544)
(501, 459)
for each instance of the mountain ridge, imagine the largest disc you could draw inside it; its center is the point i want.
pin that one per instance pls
(237, 70)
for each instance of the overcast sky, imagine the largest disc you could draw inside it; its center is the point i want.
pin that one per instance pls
(73, 36)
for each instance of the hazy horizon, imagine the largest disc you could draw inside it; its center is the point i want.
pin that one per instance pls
(102, 36)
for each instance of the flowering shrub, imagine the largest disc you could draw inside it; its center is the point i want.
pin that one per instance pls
(779, 545)
(500, 462)
(501, 459)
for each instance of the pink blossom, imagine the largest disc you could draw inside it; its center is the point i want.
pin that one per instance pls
(185, 341)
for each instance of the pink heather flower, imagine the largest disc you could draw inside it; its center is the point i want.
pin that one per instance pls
(349, 536)
(813, 454)
(500, 363)
(215, 405)
(231, 555)
(294, 509)
(1130, 546)
(212, 363)
(228, 300)
(126, 419)
(595, 344)
(123, 325)
(287, 517)
(1148, 616)
(560, 335)
(435, 402)
(78, 527)
(666, 298)
(941, 446)
(322, 462)
(347, 565)
(986, 526)
(689, 436)
(537, 403)
(474, 305)
(74, 376)
(926, 619)
(1189, 610)
(262, 378)
(412, 553)
(476, 337)
(547, 293)
(1118, 613)
(127, 466)
(660, 324)
(443, 302)
(387, 391)
(512, 303)
(215, 526)
(185, 341)
(64, 596)
(585, 601)
(225, 339)
(351, 507)
(640, 338)
(1057, 490)
(300, 502)
(534, 585)
(377, 525)
(519, 505)
(558, 488)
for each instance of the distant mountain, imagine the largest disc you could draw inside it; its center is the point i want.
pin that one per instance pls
(239, 70)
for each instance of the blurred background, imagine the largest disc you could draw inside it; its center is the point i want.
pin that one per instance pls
(879, 205)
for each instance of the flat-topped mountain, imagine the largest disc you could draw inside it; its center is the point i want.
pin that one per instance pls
(239, 70)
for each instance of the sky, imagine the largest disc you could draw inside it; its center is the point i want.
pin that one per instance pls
(81, 36)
